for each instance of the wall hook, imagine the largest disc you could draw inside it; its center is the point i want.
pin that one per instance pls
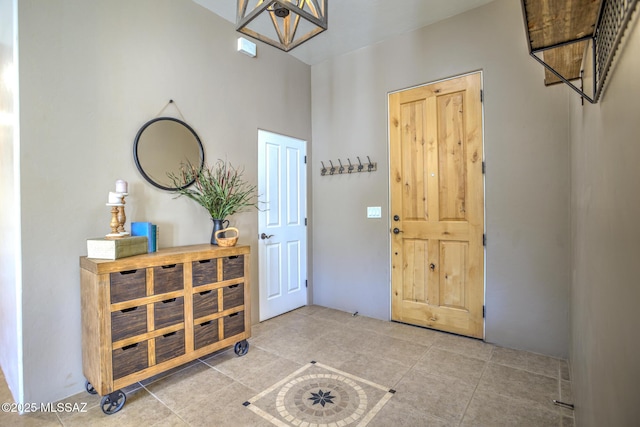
(370, 165)
(341, 167)
(360, 166)
(333, 168)
(350, 168)
(323, 171)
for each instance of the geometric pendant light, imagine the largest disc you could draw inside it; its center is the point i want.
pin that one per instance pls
(284, 24)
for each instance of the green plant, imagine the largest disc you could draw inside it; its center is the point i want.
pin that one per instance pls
(220, 188)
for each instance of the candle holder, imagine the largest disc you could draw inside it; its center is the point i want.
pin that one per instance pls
(122, 218)
(115, 223)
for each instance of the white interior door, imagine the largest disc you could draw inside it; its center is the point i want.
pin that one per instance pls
(282, 229)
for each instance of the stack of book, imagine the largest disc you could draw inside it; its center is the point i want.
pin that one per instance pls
(148, 230)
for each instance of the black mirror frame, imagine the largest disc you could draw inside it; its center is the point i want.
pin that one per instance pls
(137, 160)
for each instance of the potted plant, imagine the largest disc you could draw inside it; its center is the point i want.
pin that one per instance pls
(221, 189)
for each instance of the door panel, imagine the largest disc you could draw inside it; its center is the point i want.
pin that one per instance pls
(416, 272)
(272, 184)
(274, 274)
(413, 161)
(451, 157)
(437, 192)
(453, 267)
(294, 279)
(294, 208)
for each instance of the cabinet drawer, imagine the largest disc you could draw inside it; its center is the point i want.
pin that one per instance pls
(168, 312)
(128, 322)
(232, 296)
(169, 346)
(204, 272)
(233, 324)
(205, 303)
(128, 285)
(167, 278)
(232, 267)
(205, 334)
(130, 359)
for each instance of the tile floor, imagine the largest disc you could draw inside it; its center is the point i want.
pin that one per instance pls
(440, 379)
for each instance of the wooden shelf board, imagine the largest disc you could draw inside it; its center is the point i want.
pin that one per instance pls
(551, 22)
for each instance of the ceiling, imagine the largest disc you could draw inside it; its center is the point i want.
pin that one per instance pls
(357, 23)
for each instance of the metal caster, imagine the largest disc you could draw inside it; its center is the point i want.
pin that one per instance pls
(241, 348)
(113, 402)
(89, 388)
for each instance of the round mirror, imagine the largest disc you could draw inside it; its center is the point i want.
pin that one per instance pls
(164, 145)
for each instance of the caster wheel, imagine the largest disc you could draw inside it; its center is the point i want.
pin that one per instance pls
(113, 402)
(241, 348)
(89, 388)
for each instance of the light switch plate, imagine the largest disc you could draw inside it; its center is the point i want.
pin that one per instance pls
(374, 212)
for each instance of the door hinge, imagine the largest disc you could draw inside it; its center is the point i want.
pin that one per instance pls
(305, 160)
(305, 221)
(484, 167)
(484, 311)
(481, 95)
(484, 240)
(306, 283)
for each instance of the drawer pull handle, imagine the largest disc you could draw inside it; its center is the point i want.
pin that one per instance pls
(205, 292)
(234, 257)
(233, 286)
(128, 272)
(128, 347)
(169, 266)
(168, 301)
(127, 310)
(204, 261)
(205, 323)
(170, 334)
(233, 314)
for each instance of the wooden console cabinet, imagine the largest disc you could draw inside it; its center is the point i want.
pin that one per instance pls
(145, 314)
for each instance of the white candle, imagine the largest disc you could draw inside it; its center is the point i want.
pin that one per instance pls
(114, 198)
(121, 186)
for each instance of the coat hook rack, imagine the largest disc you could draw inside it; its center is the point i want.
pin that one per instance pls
(348, 167)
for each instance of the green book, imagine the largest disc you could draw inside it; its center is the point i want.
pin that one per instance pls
(102, 248)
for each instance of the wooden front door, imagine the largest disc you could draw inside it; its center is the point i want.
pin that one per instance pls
(437, 206)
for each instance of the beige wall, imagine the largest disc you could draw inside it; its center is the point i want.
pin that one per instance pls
(605, 204)
(10, 341)
(92, 73)
(527, 180)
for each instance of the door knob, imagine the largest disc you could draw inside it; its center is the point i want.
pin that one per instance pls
(397, 231)
(396, 218)
(266, 236)
(432, 266)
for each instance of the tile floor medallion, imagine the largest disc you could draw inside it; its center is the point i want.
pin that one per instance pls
(317, 395)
